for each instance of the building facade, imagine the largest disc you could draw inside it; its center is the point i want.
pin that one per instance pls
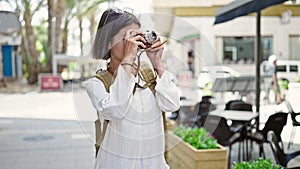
(231, 43)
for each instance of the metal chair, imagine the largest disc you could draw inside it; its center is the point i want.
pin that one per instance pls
(278, 152)
(219, 128)
(202, 108)
(294, 122)
(239, 105)
(275, 123)
(242, 106)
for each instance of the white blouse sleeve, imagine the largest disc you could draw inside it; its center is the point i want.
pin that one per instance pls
(115, 104)
(167, 93)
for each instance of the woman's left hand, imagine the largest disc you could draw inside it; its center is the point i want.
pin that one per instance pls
(154, 53)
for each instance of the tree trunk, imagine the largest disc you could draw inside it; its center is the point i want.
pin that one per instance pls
(59, 12)
(33, 65)
(51, 13)
(92, 27)
(80, 34)
(65, 37)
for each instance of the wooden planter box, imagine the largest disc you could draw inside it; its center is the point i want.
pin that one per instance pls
(181, 155)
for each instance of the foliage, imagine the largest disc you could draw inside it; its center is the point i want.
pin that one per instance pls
(257, 164)
(41, 43)
(298, 80)
(283, 84)
(197, 137)
(207, 89)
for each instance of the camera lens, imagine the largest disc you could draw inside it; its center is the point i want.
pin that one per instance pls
(150, 37)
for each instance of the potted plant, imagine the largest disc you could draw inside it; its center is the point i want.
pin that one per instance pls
(194, 148)
(256, 164)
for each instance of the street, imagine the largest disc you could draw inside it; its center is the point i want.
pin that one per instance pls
(42, 130)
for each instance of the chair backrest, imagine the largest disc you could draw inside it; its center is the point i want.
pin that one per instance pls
(204, 107)
(201, 120)
(275, 123)
(240, 106)
(218, 126)
(228, 104)
(206, 98)
(278, 153)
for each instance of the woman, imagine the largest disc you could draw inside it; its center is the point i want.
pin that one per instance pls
(134, 138)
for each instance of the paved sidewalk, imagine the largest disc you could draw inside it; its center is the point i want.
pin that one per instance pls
(18, 86)
(42, 131)
(44, 144)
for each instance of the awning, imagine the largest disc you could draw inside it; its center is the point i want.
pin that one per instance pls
(241, 8)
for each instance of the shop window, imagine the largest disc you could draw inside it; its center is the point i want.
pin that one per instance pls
(242, 49)
(294, 47)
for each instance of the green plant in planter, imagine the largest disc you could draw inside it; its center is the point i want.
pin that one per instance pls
(257, 164)
(197, 137)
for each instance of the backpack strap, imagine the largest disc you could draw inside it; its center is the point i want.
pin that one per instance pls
(106, 77)
(148, 76)
(150, 80)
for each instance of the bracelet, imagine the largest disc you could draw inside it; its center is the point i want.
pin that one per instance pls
(130, 64)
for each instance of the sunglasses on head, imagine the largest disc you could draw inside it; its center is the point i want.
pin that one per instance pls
(113, 14)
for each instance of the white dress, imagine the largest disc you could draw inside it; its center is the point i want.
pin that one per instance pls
(134, 138)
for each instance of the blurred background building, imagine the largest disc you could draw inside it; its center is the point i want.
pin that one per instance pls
(233, 43)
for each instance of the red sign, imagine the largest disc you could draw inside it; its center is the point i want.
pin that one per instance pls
(185, 79)
(50, 82)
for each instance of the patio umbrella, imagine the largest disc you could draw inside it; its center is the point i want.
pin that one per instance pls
(241, 8)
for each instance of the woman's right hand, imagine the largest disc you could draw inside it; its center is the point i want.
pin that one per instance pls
(133, 41)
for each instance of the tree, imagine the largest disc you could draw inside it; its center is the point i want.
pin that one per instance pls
(60, 13)
(80, 9)
(33, 66)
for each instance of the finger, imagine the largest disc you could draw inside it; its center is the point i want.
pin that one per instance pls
(140, 38)
(161, 48)
(158, 46)
(141, 44)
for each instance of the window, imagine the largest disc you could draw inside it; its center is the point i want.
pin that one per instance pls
(242, 49)
(294, 47)
(281, 68)
(293, 68)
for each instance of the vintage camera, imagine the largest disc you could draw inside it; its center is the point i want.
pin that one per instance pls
(150, 37)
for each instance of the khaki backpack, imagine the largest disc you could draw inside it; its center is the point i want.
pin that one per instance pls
(106, 77)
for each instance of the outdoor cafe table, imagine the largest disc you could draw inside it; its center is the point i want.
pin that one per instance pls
(244, 117)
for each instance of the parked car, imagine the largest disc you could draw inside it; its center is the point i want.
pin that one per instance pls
(210, 73)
